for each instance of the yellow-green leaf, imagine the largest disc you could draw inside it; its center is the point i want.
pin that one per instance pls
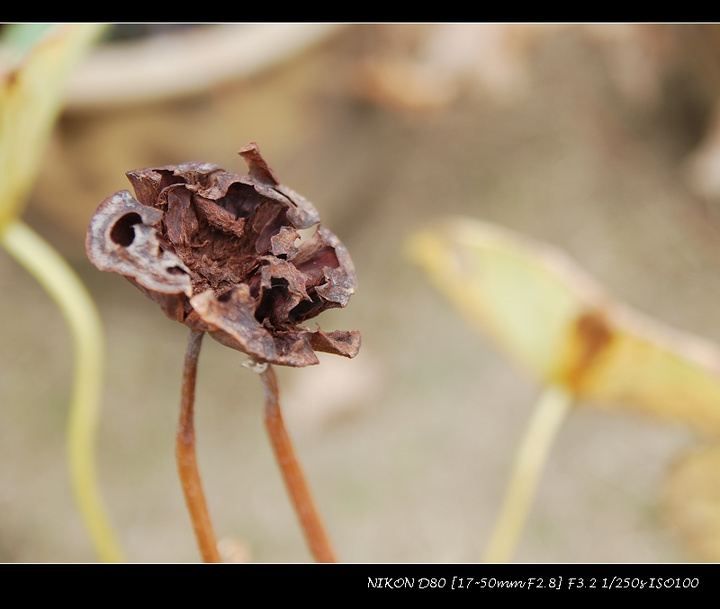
(31, 96)
(562, 328)
(691, 501)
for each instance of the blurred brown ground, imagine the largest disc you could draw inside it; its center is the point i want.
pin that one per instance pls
(573, 135)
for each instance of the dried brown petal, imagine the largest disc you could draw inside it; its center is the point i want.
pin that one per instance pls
(218, 252)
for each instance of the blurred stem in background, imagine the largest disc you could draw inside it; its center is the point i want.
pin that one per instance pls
(548, 416)
(31, 98)
(69, 294)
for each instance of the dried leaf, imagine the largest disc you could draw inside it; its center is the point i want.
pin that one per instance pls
(217, 251)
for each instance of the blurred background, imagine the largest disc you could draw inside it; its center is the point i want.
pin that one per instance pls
(601, 139)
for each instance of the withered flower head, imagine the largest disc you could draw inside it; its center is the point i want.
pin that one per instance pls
(219, 252)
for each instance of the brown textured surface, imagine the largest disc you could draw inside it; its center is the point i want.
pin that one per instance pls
(217, 251)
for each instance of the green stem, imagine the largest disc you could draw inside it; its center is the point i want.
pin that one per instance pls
(549, 414)
(69, 294)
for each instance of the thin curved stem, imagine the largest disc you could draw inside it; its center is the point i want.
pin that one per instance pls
(547, 418)
(186, 457)
(69, 294)
(292, 473)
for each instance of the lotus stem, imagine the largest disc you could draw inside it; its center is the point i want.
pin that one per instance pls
(186, 457)
(69, 294)
(547, 418)
(292, 473)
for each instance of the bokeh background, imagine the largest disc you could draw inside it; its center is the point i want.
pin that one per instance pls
(597, 138)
